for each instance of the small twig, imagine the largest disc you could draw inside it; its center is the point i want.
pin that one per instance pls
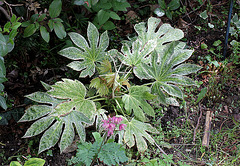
(160, 149)
(5, 13)
(2, 144)
(220, 128)
(199, 118)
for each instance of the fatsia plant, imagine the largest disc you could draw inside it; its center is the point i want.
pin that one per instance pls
(62, 109)
(156, 54)
(86, 55)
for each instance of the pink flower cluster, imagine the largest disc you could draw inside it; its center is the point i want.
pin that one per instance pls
(110, 124)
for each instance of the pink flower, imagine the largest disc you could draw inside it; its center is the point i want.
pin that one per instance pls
(110, 124)
(116, 120)
(105, 124)
(122, 126)
(111, 128)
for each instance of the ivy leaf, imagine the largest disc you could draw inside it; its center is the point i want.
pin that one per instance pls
(136, 101)
(136, 133)
(86, 54)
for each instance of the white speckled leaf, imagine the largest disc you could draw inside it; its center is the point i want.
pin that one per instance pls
(87, 54)
(74, 92)
(167, 73)
(166, 33)
(51, 136)
(137, 55)
(64, 107)
(36, 111)
(39, 126)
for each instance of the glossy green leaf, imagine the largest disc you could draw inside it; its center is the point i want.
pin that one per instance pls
(55, 8)
(3, 103)
(202, 94)
(114, 15)
(109, 25)
(34, 162)
(174, 4)
(86, 54)
(162, 4)
(136, 132)
(44, 33)
(15, 163)
(31, 29)
(3, 46)
(136, 102)
(59, 30)
(103, 16)
(50, 24)
(120, 5)
(42, 17)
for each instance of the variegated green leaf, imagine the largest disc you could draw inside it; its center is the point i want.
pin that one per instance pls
(74, 92)
(136, 101)
(67, 135)
(165, 34)
(137, 55)
(51, 136)
(39, 126)
(65, 109)
(167, 73)
(44, 98)
(185, 69)
(136, 132)
(36, 111)
(88, 53)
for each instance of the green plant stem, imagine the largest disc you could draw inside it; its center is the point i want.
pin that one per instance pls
(93, 97)
(2, 144)
(148, 84)
(120, 108)
(96, 156)
(99, 99)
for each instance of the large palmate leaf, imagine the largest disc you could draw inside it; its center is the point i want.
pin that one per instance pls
(137, 55)
(136, 101)
(136, 132)
(166, 71)
(149, 38)
(62, 109)
(165, 34)
(86, 54)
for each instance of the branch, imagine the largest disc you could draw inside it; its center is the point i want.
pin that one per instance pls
(5, 13)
